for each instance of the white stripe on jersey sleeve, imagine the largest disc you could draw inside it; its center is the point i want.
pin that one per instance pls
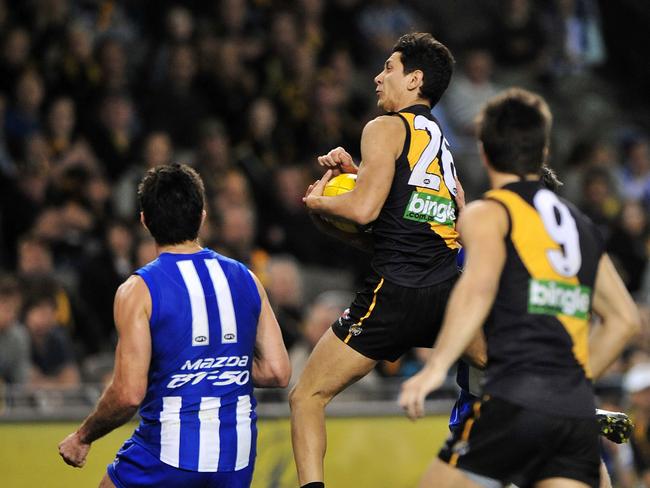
(170, 430)
(244, 433)
(224, 300)
(209, 441)
(200, 328)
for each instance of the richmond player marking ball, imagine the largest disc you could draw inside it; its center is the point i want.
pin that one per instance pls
(338, 185)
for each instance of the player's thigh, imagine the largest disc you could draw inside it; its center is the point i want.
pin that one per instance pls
(106, 482)
(441, 475)
(331, 367)
(560, 483)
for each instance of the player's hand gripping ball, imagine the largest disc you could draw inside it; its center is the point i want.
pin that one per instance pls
(338, 185)
(616, 426)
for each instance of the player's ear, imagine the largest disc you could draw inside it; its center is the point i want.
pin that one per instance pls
(204, 214)
(416, 79)
(143, 222)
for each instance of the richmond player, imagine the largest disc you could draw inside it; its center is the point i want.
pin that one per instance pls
(615, 426)
(535, 270)
(406, 185)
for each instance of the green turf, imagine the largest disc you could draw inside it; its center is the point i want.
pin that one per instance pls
(362, 452)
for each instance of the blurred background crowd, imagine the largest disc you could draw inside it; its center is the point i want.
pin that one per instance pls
(249, 92)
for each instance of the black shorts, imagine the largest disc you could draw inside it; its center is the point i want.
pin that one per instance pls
(385, 320)
(514, 444)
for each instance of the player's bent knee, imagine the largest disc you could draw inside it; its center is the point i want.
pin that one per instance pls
(293, 397)
(301, 396)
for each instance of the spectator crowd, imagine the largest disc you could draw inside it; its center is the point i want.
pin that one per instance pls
(249, 92)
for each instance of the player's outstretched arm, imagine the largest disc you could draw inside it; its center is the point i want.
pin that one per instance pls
(620, 318)
(381, 144)
(271, 366)
(483, 226)
(122, 397)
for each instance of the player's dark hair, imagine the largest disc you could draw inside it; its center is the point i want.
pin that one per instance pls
(171, 198)
(421, 51)
(515, 128)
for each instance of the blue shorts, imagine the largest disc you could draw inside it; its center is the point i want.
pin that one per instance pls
(463, 407)
(135, 467)
(462, 410)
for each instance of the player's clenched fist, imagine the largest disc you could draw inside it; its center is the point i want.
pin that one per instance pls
(73, 450)
(339, 160)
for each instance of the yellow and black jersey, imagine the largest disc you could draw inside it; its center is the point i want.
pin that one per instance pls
(537, 333)
(415, 238)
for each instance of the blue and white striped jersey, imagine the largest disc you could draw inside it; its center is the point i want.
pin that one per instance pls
(199, 411)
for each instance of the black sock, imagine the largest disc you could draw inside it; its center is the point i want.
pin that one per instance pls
(314, 484)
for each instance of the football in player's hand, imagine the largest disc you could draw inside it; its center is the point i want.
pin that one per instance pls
(338, 185)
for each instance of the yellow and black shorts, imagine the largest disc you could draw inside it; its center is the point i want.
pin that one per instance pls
(385, 320)
(509, 443)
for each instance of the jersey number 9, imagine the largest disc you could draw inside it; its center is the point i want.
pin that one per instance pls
(561, 227)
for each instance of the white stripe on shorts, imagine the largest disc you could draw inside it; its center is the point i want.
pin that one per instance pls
(170, 430)
(244, 433)
(209, 441)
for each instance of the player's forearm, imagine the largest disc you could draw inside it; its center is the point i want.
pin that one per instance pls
(476, 352)
(112, 411)
(620, 317)
(606, 343)
(466, 312)
(352, 206)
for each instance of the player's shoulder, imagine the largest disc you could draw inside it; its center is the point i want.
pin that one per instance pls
(131, 299)
(385, 133)
(229, 264)
(487, 213)
(258, 284)
(484, 207)
(222, 258)
(132, 289)
(385, 123)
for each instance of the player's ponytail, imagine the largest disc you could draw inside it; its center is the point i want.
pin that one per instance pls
(549, 178)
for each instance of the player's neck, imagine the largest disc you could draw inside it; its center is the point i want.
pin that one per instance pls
(411, 102)
(499, 180)
(187, 247)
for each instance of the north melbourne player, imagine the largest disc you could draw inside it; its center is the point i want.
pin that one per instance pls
(196, 332)
(535, 270)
